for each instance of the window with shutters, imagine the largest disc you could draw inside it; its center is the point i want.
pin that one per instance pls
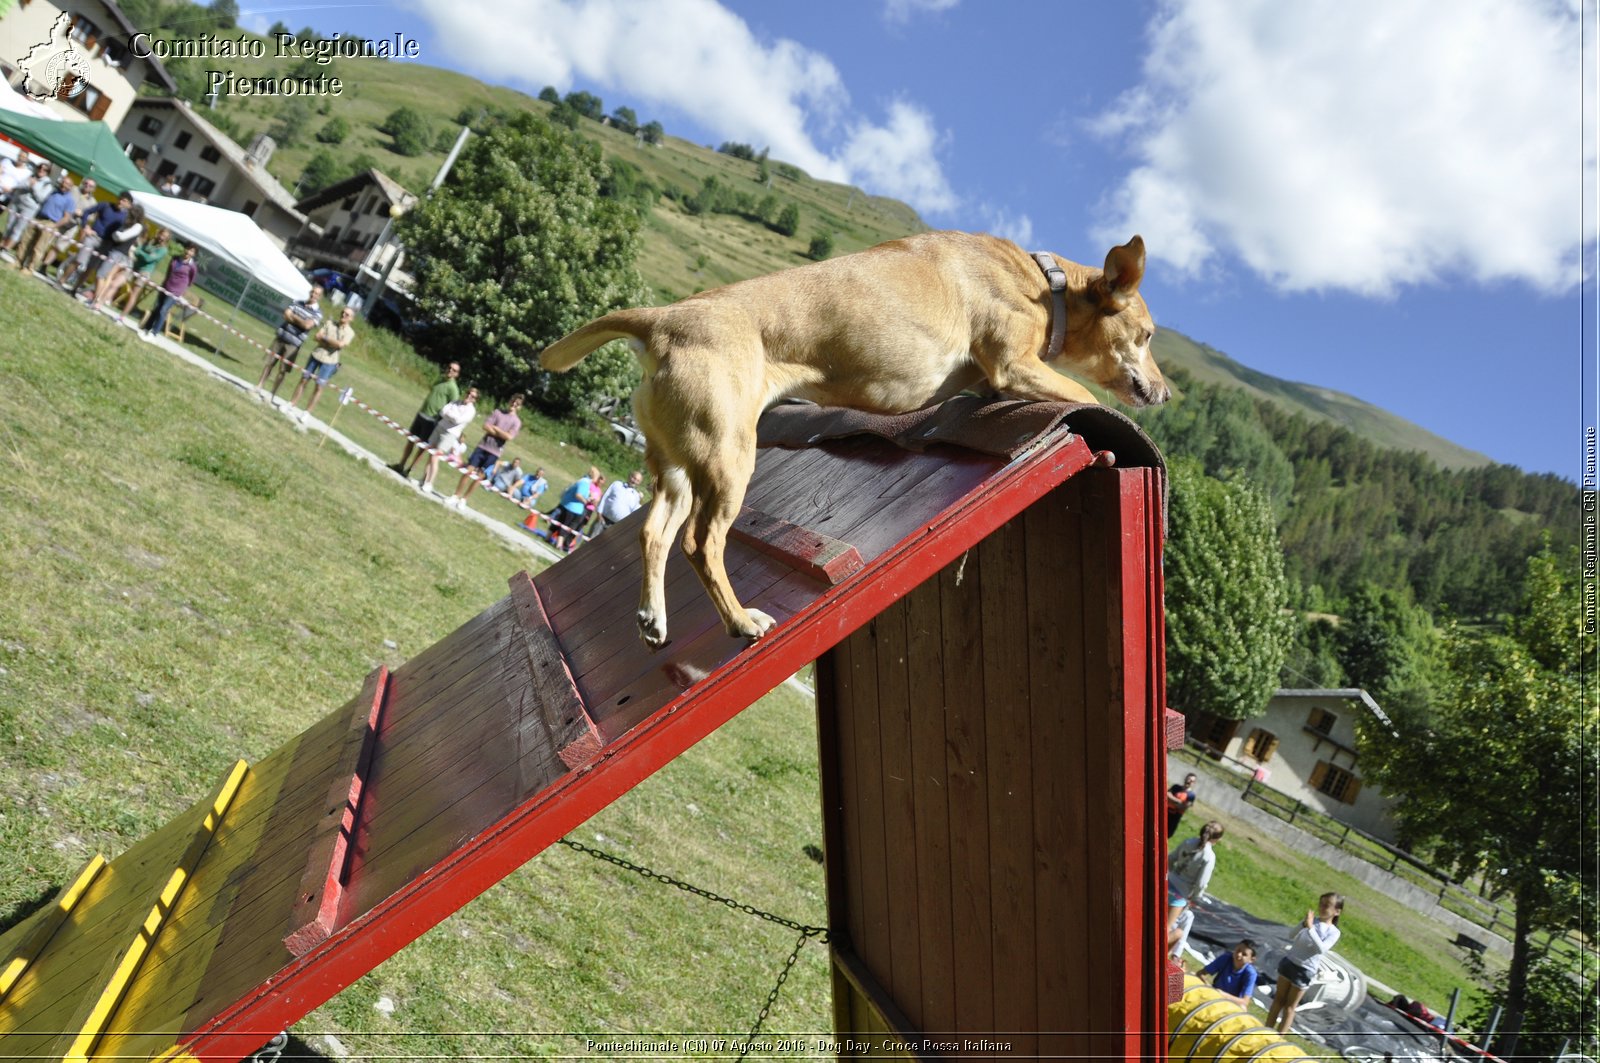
(209, 154)
(182, 140)
(150, 124)
(1335, 782)
(1261, 745)
(1322, 721)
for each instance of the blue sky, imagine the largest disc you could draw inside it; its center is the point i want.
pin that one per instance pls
(1393, 199)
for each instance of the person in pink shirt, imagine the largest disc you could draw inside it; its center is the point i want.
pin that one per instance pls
(499, 428)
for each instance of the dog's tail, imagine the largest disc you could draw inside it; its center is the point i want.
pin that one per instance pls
(569, 350)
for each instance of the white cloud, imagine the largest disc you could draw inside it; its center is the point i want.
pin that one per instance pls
(1017, 228)
(903, 10)
(702, 60)
(1333, 144)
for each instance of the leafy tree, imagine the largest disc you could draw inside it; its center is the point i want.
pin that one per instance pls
(564, 114)
(738, 151)
(334, 130)
(1227, 632)
(652, 132)
(1562, 1007)
(225, 13)
(586, 104)
(517, 248)
(409, 130)
(821, 246)
(321, 170)
(445, 140)
(1500, 774)
(1313, 658)
(289, 127)
(278, 28)
(788, 222)
(549, 94)
(763, 171)
(624, 119)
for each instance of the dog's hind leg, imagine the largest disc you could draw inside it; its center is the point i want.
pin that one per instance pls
(718, 494)
(668, 510)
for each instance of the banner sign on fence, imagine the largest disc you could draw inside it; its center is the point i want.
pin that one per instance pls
(227, 282)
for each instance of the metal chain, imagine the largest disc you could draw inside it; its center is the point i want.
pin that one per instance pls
(806, 932)
(819, 932)
(772, 997)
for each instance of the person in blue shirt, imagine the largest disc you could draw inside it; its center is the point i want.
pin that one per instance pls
(95, 228)
(1234, 973)
(58, 209)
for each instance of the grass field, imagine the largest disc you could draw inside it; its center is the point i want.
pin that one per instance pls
(193, 581)
(190, 581)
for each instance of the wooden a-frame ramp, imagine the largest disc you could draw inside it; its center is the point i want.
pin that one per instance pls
(309, 868)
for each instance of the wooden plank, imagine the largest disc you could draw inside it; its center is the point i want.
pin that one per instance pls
(1008, 742)
(882, 1011)
(1056, 628)
(556, 703)
(897, 796)
(818, 555)
(43, 927)
(926, 694)
(316, 909)
(966, 782)
(95, 1014)
(870, 929)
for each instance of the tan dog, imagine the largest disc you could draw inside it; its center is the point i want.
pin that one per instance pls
(895, 328)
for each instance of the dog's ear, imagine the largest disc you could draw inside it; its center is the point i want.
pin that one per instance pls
(1124, 270)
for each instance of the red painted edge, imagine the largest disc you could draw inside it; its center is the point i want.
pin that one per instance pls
(323, 882)
(545, 818)
(806, 550)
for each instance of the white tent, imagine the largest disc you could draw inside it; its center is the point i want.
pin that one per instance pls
(229, 235)
(16, 101)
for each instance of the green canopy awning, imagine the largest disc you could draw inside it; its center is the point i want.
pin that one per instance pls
(88, 149)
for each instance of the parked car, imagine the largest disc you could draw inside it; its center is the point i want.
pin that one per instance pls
(332, 280)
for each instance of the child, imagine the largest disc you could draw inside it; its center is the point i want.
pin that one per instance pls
(1235, 973)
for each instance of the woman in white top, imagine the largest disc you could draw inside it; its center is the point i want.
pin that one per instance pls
(1189, 866)
(446, 437)
(1296, 971)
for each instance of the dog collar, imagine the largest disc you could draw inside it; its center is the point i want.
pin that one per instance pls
(1058, 294)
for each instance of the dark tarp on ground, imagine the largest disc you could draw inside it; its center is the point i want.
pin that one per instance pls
(1339, 1013)
(88, 149)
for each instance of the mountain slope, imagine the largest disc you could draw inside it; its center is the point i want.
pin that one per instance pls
(1372, 423)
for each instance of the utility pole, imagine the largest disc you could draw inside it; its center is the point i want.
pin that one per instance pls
(394, 257)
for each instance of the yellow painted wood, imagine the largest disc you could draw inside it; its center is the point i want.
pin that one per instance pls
(154, 1014)
(46, 925)
(101, 1009)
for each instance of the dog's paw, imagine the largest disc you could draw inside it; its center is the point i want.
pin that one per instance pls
(652, 628)
(756, 624)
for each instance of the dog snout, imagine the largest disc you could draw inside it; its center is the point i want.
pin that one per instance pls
(1144, 393)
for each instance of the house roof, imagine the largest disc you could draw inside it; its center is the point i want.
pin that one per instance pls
(237, 157)
(391, 190)
(1340, 693)
(129, 29)
(489, 746)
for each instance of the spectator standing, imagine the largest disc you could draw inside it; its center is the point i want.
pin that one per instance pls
(26, 198)
(299, 321)
(1318, 934)
(1179, 800)
(332, 337)
(1180, 920)
(619, 501)
(453, 420)
(1190, 865)
(54, 211)
(568, 515)
(119, 249)
(442, 394)
(83, 202)
(95, 227)
(1234, 973)
(146, 259)
(499, 428)
(180, 276)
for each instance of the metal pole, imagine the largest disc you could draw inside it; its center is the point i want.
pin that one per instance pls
(1450, 1015)
(1494, 1021)
(227, 330)
(438, 179)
